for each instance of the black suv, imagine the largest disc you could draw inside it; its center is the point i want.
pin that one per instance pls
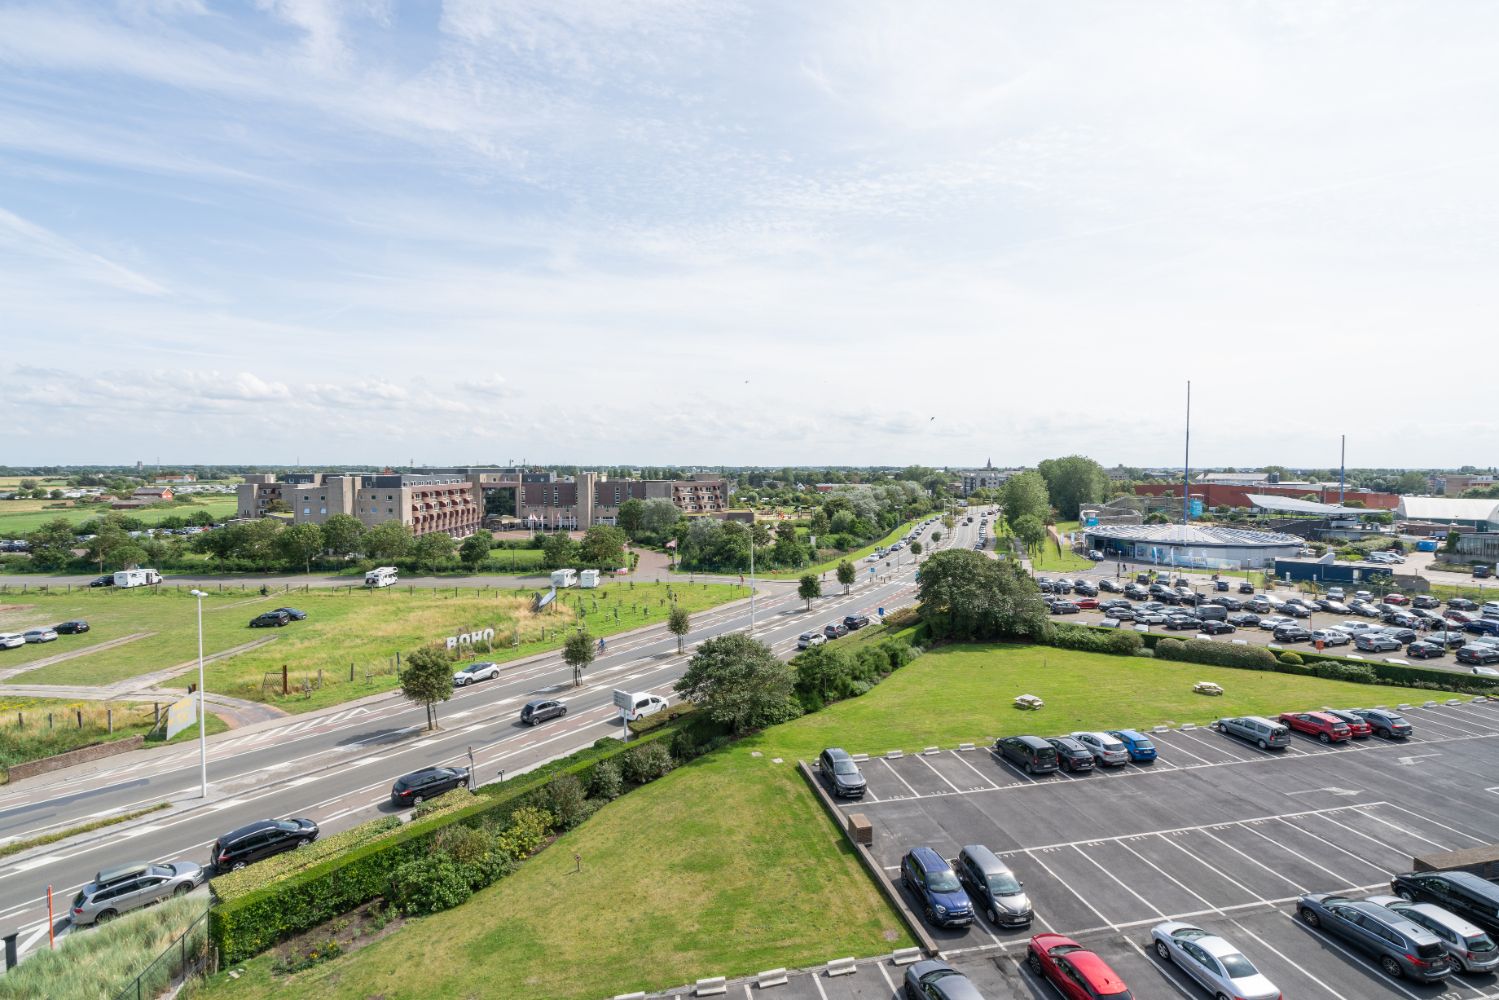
(541, 710)
(71, 628)
(855, 621)
(1072, 755)
(261, 839)
(271, 619)
(841, 773)
(1084, 589)
(411, 789)
(1292, 633)
(1463, 893)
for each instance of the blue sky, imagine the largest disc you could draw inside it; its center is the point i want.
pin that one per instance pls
(746, 233)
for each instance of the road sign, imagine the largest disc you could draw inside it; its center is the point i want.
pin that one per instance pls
(181, 714)
(624, 700)
(882, 612)
(871, 571)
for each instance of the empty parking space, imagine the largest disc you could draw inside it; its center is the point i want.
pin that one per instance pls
(1217, 833)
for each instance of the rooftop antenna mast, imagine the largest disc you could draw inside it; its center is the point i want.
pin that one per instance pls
(1342, 467)
(1187, 461)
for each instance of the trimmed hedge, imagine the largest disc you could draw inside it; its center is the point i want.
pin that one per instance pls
(235, 884)
(1215, 654)
(1118, 642)
(252, 922)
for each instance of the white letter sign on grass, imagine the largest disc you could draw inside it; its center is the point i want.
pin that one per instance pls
(471, 638)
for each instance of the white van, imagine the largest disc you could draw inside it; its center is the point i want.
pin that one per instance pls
(563, 578)
(381, 576)
(137, 578)
(643, 705)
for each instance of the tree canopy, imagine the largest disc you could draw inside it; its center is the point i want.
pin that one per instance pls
(1072, 482)
(966, 595)
(739, 682)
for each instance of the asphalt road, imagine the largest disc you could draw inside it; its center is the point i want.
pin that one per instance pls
(336, 767)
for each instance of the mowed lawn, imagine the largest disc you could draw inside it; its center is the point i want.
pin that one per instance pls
(1055, 559)
(21, 517)
(724, 867)
(363, 628)
(965, 694)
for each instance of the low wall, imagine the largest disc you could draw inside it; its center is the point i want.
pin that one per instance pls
(82, 755)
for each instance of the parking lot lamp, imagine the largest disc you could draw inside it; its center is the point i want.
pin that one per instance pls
(202, 718)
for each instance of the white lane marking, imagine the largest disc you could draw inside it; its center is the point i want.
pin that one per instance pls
(1287, 959)
(970, 767)
(939, 774)
(1409, 833)
(1044, 867)
(1289, 881)
(1275, 843)
(1444, 826)
(1212, 868)
(903, 781)
(1357, 857)
(1147, 903)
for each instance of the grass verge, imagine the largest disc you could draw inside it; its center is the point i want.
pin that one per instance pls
(73, 831)
(1055, 558)
(26, 736)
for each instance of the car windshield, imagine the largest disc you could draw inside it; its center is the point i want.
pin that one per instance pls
(943, 881)
(1144, 745)
(1237, 966)
(1398, 720)
(1112, 745)
(1121, 995)
(1003, 884)
(844, 767)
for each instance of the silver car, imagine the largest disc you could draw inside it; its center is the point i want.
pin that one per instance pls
(117, 890)
(1469, 946)
(40, 634)
(1216, 965)
(1104, 748)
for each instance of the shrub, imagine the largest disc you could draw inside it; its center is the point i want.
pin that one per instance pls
(565, 799)
(447, 802)
(1215, 654)
(1298, 668)
(903, 617)
(1355, 672)
(1144, 651)
(234, 884)
(606, 782)
(428, 884)
(1291, 658)
(465, 844)
(527, 831)
(646, 763)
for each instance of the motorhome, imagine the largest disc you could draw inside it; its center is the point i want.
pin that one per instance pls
(563, 578)
(137, 578)
(381, 576)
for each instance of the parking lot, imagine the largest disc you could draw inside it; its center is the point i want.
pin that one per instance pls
(1216, 832)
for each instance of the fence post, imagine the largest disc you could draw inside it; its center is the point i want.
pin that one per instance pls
(283, 680)
(109, 715)
(49, 720)
(351, 671)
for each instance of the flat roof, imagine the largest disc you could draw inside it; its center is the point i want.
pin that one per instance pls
(1193, 534)
(1294, 505)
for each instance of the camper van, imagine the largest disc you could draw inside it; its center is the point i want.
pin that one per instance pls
(137, 578)
(563, 578)
(381, 576)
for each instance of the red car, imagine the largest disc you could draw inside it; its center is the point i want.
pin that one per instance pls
(1396, 599)
(1086, 603)
(1327, 728)
(1077, 973)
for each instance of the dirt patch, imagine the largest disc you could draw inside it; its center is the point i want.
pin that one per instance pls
(16, 607)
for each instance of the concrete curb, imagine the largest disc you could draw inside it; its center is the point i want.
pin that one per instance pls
(714, 986)
(842, 967)
(771, 977)
(905, 956)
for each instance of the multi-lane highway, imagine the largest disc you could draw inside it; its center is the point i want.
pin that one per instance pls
(337, 766)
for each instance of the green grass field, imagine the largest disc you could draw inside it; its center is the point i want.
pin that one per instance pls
(363, 628)
(25, 733)
(21, 517)
(1059, 559)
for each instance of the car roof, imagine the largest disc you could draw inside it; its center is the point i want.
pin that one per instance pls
(539, 701)
(928, 858)
(988, 862)
(1097, 972)
(1129, 734)
(119, 872)
(249, 828)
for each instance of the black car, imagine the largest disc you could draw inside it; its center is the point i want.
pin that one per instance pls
(292, 613)
(1110, 586)
(71, 628)
(107, 580)
(1423, 650)
(255, 841)
(1072, 755)
(1135, 592)
(542, 709)
(841, 773)
(1220, 586)
(411, 789)
(1296, 610)
(1463, 893)
(1455, 603)
(1390, 725)
(1180, 622)
(1482, 626)
(1246, 587)
(1477, 653)
(1228, 603)
(271, 619)
(1246, 620)
(1064, 608)
(1084, 589)
(1291, 633)
(1212, 627)
(1401, 635)
(1447, 640)
(853, 622)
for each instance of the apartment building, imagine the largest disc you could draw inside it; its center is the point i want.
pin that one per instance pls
(424, 503)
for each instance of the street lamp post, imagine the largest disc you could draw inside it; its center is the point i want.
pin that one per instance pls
(202, 718)
(752, 578)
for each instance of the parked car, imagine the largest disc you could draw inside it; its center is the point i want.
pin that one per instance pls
(1246, 587)
(107, 580)
(1291, 633)
(75, 627)
(1478, 653)
(1071, 755)
(1402, 948)
(1461, 604)
(835, 630)
(854, 622)
(123, 888)
(1326, 727)
(1296, 610)
(1425, 601)
(1256, 729)
(1462, 893)
(270, 619)
(840, 773)
(1467, 945)
(1064, 608)
(1246, 620)
(993, 886)
(1178, 622)
(539, 710)
(1031, 754)
(1106, 749)
(1450, 639)
(1336, 593)
(428, 783)
(1423, 650)
(474, 672)
(1483, 626)
(1363, 609)
(293, 614)
(40, 635)
(1384, 722)
(932, 881)
(1229, 603)
(1331, 637)
(1217, 966)
(1358, 727)
(1270, 623)
(254, 841)
(1212, 626)
(12, 640)
(1110, 586)
(1375, 642)
(1075, 972)
(809, 639)
(1084, 588)
(931, 979)
(1395, 597)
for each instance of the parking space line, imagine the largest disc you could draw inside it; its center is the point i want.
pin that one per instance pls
(1046, 868)
(1289, 961)
(1298, 854)
(1373, 840)
(817, 981)
(939, 774)
(1183, 829)
(1168, 875)
(885, 975)
(1359, 858)
(1149, 905)
(1444, 826)
(1289, 881)
(1007, 766)
(1412, 833)
(1221, 874)
(1179, 749)
(903, 781)
(970, 767)
(1224, 750)
(1440, 723)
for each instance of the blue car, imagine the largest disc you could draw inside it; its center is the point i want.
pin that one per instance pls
(1483, 626)
(1137, 743)
(932, 881)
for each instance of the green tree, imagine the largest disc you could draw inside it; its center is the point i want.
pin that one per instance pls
(577, 652)
(602, 546)
(387, 541)
(740, 683)
(965, 595)
(55, 494)
(52, 544)
(847, 574)
(278, 506)
(631, 516)
(679, 623)
(28, 485)
(433, 549)
(915, 548)
(759, 534)
(820, 525)
(1026, 495)
(1072, 482)
(426, 680)
(108, 539)
(297, 544)
(936, 537)
(1030, 532)
(475, 549)
(342, 535)
(788, 550)
(557, 550)
(1411, 483)
(658, 517)
(808, 587)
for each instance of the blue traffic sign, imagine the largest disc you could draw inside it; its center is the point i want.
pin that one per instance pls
(882, 612)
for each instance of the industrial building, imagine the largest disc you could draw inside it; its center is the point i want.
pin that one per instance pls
(1452, 512)
(1191, 545)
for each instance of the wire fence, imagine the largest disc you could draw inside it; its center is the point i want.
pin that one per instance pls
(190, 954)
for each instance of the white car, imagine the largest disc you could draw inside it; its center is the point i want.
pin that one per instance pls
(476, 672)
(1095, 555)
(809, 639)
(1219, 967)
(40, 635)
(11, 640)
(1354, 628)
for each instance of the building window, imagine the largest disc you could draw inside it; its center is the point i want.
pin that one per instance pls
(306, 510)
(322, 510)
